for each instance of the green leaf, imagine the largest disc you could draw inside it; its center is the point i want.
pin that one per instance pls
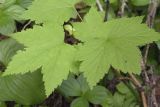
(83, 84)
(111, 44)
(108, 102)
(52, 11)
(130, 102)
(2, 104)
(89, 2)
(2, 1)
(121, 100)
(8, 48)
(46, 49)
(10, 11)
(114, 2)
(140, 2)
(24, 3)
(80, 102)
(118, 100)
(70, 87)
(122, 88)
(15, 11)
(75, 67)
(97, 95)
(74, 87)
(25, 89)
(7, 3)
(7, 24)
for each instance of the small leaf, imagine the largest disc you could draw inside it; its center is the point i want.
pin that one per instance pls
(122, 88)
(97, 95)
(2, 104)
(8, 48)
(70, 87)
(83, 84)
(7, 3)
(80, 102)
(25, 89)
(140, 2)
(118, 100)
(24, 3)
(7, 24)
(114, 2)
(15, 11)
(74, 87)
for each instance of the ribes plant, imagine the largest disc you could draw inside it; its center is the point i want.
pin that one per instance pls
(102, 44)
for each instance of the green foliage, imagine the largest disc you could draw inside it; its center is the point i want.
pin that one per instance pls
(10, 10)
(7, 24)
(113, 1)
(80, 102)
(112, 43)
(74, 87)
(2, 104)
(57, 11)
(140, 2)
(123, 98)
(24, 3)
(80, 88)
(25, 89)
(49, 52)
(8, 49)
(71, 87)
(97, 95)
(104, 44)
(89, 2)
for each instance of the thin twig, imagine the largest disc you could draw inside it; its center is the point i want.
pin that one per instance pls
(152, 101)
(107, 2)
(122, 8)
(146, 54)
(78, 15)
(29, 22)
(137, 83)
(99, 5)
(151, 12)
(125, 78)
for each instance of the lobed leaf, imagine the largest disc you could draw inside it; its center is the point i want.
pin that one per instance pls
(44, 48)
(114, 43)
(51, 11)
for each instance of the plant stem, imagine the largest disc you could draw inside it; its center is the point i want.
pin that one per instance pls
(137, 83)
(99, 5)
(150, 82)
(122, 8)
(25, 26)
